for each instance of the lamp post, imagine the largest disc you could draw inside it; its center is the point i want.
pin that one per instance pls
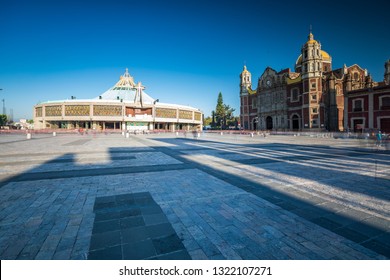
(3, 104)
(154, 113)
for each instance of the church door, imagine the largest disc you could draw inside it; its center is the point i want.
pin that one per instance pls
(295, 122)
(269, 124)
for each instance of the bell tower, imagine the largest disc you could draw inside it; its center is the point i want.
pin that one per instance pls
(245, 83)
(311, 58)
(313, 111)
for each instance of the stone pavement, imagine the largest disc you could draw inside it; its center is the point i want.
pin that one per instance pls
(217, 197)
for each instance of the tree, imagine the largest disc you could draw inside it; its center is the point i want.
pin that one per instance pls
(207, 121)
(223, 113)
(3, 120)
(213, 119)
(220, 110)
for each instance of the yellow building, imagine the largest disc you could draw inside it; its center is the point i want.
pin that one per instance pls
(125, 106)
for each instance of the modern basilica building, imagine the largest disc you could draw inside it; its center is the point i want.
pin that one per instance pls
(125, 106)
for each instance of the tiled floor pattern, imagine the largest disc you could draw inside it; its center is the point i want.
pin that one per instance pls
(133, 227)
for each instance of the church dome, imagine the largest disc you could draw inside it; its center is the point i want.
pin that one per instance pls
(310, 39)
(325, 57)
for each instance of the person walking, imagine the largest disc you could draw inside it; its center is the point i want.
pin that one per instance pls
(379, 138)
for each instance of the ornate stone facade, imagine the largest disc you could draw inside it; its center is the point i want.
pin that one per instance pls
(312, 97)
(197, 116)
(38, 112)
(53, 111)
(166, 113)
(184, 114)
(107, 110)
(77, 110)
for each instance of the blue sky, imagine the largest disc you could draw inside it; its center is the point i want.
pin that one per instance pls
(184, 52)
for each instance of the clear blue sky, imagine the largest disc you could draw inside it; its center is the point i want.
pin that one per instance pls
(184, 52)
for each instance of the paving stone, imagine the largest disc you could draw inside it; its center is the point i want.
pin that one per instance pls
(178, 255)
(198, 255)
(139, 250)
(110, 253)
(105, 239)
(168, 244)
(235, 195)
(105, 226)
(132, 221)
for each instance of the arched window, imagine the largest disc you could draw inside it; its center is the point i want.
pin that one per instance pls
(355, 76)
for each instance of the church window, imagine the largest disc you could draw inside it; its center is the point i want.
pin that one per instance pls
(254, 103)
(314, 110)
(314, 97)
(357, 105)
(305, 56)
(384, 102)
(355, 76)
(294, 94)
(313, 85)
(318, 52)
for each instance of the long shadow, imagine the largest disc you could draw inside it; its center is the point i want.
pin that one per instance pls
(77, 170)
(372, 237)
(345, 222)
(290, 159)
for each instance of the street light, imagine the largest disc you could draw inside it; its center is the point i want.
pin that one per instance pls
(154, 113)
(3, 104)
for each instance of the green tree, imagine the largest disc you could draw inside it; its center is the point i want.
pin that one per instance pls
(30, 121)
(233, 122)
(3, 120)
(207, 121)
(213, 119)
(220, 111)
(223, 115)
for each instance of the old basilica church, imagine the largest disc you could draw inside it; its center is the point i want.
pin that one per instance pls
(314, 97)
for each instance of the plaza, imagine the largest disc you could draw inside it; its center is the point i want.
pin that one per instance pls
(173, 196)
